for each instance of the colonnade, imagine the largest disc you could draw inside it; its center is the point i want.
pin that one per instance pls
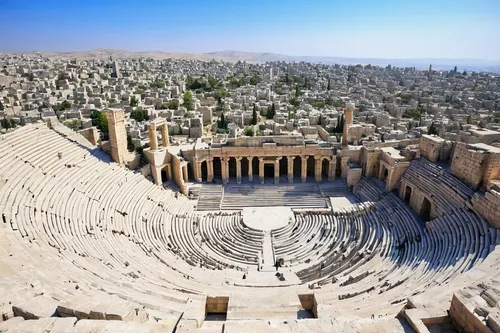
(275, 161)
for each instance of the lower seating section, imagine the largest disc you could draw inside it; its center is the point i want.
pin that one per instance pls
(216, 241)
(289, 195)
(82, 238)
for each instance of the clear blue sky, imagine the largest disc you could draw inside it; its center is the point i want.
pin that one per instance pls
(350, 28)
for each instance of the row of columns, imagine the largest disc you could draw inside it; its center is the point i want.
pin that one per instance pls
(303, 176)
(153, 139)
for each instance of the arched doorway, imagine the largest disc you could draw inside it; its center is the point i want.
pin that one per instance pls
(284, 166)
(255, 168)
(232, 167)
(407, 194)
(310, 166)
(217, 168)
(244, 168)
(297, 165)
(190, 169)
(163, 175)
(269, 170)
(204, 171)
(425, 209)
(325, 165)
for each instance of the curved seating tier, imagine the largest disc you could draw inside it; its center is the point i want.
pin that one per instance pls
(84, 237)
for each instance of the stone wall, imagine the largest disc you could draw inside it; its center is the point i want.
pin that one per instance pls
(431, 147)
(468, 165)
(488, 206)
(353, 176)
(117, 135)
(417, 199)
(464, 319)
(492, 168)
(177, 173)
(91, 134)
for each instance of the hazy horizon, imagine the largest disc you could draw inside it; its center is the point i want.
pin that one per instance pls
(386, 29)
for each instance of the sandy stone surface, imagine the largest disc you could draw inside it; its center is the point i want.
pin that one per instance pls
(267, 218)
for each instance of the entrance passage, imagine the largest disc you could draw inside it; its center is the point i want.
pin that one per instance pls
(216, 308)
(268, 171)
(407, 194)
(425, 210)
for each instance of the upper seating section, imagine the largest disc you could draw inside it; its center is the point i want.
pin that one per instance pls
(447, 191)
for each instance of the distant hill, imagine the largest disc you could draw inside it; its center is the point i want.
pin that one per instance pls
(256, 57)
(422, 63)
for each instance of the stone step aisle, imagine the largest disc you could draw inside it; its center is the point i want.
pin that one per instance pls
(268, 253)
(210, 197)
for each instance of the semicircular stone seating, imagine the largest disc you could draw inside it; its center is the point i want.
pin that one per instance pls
(84, 237)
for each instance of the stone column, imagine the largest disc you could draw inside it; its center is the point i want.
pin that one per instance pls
(290, 168)
(198, 172)
(210, 170)
(153, 140)
(347, 121)
(185, 173)
(164, 135)
(277, 170)
(250, 171)
(317, 168)
(303, 170)
(261, 170)
(332, 166)
(238, 170)
(344, 166)
(225, 169)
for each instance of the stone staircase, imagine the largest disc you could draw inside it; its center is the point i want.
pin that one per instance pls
(210, 197)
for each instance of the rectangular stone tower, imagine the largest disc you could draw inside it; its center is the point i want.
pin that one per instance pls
(117, 135)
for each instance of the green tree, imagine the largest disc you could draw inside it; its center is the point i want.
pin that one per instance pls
(220, 95)
(130, 145)
(213, 82)
(255, 79)
(188, 101)
(138, 91)
(173, 104)
(328, 87)
(1, 106)
(139, 115)
(254, 115)
(271, 112)
(133, 101)
(222, 122)
(249, 131)
(66, 105)
(73, 124)
(159, 83)
(100, 121)
(340, 124)
(433, 129)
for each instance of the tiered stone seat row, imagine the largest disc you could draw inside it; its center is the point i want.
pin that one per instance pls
(447, 191)
(367, 189)
(86, 238)
(239, 196)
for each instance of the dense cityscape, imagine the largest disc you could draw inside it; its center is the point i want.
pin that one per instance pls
(250, 167)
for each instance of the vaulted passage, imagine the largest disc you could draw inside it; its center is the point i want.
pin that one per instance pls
(425, 210)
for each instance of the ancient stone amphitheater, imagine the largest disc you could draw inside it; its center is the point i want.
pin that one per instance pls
(90, 246)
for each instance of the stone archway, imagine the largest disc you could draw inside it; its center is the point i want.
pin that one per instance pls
(425, 209)
(204, 171)
(217, 164)
(408, 191)
(325, 165)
